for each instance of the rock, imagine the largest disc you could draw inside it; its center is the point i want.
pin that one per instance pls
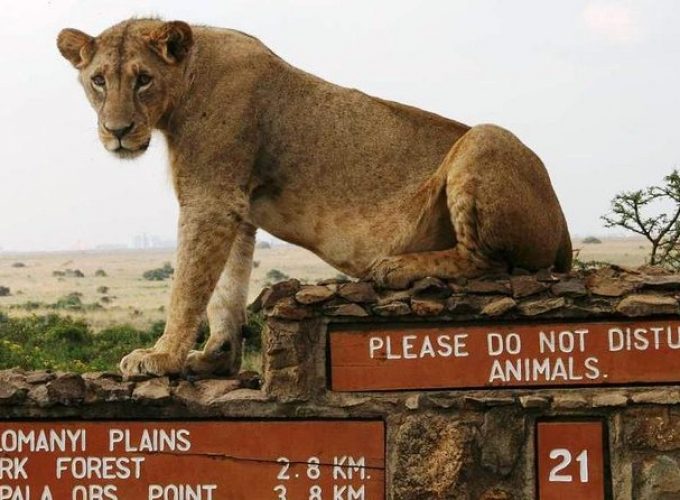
(250, 380)
(39, 395)
(465, 305)
(444, 401)
(484, 287)
(541, 306)
(104, 389)
(569, 288)
(524, 286)
(334, 281)
(359, 291)
(433, 288)
(412, 402)
(610, 399)
(288, 308)
(256, 305)
(276, 292)
(11, 394)
(499, 307)
(657, 397)
(496, 494)
(486, 401)
(667, 282)
(152, 391)
(658, 478)
(426, 307)
(569, 402)
(652, 429)
(502, 439)
(345, 310)
(205, 392)
(534, 402)
(647, 305)
(609, 286)
(67, 389)
(429, 453)
(40, 377)
(546, 275)
(314, 294)
(392, 309)
(389, 296)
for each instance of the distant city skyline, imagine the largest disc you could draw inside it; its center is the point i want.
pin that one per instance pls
(590, 85)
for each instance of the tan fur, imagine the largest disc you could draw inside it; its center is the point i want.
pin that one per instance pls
(378, 189)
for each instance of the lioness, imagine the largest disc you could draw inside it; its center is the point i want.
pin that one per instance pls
(378, 189)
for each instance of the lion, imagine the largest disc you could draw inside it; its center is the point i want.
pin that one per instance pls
(380, 190)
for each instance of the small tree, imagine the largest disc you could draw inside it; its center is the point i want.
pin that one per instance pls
(631, 211)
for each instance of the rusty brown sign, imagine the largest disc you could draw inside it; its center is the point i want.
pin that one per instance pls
(518, 355)
(571, 460)
(192, 460)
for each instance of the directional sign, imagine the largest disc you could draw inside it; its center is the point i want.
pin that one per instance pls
(192, 460)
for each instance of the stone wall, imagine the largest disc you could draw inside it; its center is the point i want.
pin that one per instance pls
(467, 444)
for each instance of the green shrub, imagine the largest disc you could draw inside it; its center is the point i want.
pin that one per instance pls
(253, 332)
(62, 343)
(100, 273)
(160, 273)
(103, 289)
(4, 291)
(274, 276)
(71, 301)
(590, 240)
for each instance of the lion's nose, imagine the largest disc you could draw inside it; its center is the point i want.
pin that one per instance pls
(119, 132)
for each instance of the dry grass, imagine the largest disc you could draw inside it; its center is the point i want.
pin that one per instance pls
(622, 251)
(133, 300)
(140, 303)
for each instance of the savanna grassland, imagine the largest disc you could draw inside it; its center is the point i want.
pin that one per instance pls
(83, 310)
(129, 298)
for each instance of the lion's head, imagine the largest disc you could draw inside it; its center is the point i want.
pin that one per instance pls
(130, 74)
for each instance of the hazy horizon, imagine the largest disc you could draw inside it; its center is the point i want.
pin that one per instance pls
(591, 86)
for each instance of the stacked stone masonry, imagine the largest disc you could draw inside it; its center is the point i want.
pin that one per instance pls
(458, 444)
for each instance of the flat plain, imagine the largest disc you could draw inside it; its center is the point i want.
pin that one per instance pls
(130, 299)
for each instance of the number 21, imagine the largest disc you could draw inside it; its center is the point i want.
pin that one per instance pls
(565, 455)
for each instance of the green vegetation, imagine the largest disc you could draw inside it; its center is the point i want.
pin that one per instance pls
(653, 212)
(62, 343)
(100, 273)
(160, 273)
(4, 291)
(592, 240)
(274, 276)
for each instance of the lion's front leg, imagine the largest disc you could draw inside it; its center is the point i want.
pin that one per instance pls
(205, 239)
(227, 311)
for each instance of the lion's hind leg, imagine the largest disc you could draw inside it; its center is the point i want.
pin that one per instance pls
(502, 209)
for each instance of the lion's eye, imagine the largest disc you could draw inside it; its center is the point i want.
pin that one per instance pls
(98, 81)
(143, 80)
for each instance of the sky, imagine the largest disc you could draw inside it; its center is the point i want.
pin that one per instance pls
(591, 86)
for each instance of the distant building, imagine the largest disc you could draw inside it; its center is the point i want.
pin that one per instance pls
(145, 241)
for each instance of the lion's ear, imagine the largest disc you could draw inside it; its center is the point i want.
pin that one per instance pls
(76, 46)
(172, 41)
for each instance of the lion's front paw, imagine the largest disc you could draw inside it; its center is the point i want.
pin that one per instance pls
(215, 363)
(150, 362)
(392, 272)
